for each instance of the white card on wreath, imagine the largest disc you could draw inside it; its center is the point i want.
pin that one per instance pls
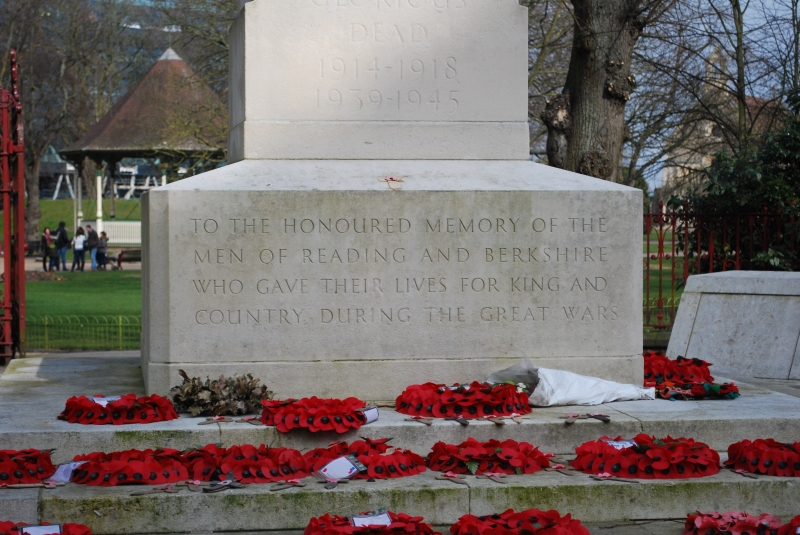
(621, 444)
(371, 413)
(341, 468)
(40, 530)
(64, 472)
(105, 400)
(381, 519)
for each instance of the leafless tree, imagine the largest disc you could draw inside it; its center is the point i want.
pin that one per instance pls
(709, 62)
(781, 44)
(77, 57)
(586, 122)
(549, 37)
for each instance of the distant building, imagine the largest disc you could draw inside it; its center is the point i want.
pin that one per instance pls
(56, 176)
(169, 115)
(701, 137)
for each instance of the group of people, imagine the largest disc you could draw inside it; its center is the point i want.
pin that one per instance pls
(55, 245)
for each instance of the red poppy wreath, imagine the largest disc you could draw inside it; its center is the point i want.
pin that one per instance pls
(342, 525)
(249, 464)
(25, 466)
(765, 456)
(128, 409)
(474, 457)
(530, 521)
(792, 527)
(11, 528)
(476, 400)
(732, 522)
(148, 467)
(646, 457)
(684, 378)
(315, 414)
(381, 461)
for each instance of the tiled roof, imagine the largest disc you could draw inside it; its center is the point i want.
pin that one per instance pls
(169, 108)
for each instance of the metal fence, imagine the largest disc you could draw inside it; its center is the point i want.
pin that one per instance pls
(84, 332)
(681, 243)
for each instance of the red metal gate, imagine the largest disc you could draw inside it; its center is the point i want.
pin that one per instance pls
(12, 189)
(681, 243)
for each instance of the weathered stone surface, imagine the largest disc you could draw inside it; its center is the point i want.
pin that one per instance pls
(603, 501)
(113, 511)
(744, 322)
(321, 279)
(394, 79)
(30, 418)
(19, 505)
(251, 508)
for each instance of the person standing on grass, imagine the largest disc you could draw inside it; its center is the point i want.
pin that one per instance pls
(62, 241)
(78, 251)
(102, 250)
(49, 253)
(92, 241)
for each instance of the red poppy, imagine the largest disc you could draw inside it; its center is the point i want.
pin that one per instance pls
(314, 414)
(11, 528)
(683, 378)
(128, 409)
(790, 527)
(650, 458)
(476, 457)
(511, 523)
(476, 400)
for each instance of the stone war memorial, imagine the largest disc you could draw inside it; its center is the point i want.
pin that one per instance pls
(380, 223)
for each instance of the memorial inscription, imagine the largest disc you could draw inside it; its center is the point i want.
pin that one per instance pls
(305, 264)
(343, 276)
(381, 62)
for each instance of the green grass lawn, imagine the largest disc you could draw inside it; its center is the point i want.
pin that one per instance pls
(89, 293)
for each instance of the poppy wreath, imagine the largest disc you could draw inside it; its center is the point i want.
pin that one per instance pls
(249, 464)
(511, 523)
(731, 523)
(129, 409)
(765, 456)
(649, 458)
(402, 524)
(25, 466)
(474, 457)
(684, 378)
(147, 467)
(791, 528)
(476, 400)
(11, 528)
(381, 461)
(315, 414)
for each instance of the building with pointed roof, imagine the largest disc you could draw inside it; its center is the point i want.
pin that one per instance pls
(169, 113)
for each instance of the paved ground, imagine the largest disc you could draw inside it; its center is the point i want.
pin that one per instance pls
(33, 391)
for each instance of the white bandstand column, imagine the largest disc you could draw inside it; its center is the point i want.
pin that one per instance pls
(99, 222)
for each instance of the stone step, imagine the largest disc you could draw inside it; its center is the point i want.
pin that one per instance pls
(33, 392)
(113, 511)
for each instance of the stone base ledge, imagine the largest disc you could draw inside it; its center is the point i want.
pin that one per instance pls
(745, 322)
(717, 423)
(112, 511)
(371, 379)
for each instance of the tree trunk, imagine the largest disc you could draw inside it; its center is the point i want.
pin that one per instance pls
(586, 123)
(32, 211)
(741, 95)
